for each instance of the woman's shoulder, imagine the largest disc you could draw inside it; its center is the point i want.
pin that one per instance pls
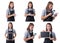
(26, 31)
(53, 32)
(8, 9)
(13, 29)
(26, 9)
(44, 9)
(33, 9)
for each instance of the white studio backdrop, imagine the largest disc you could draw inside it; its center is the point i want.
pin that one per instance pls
(20, 25)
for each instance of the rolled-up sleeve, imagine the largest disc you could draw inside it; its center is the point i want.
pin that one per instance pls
(43, 12)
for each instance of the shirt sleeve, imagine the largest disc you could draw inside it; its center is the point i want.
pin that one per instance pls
(26, 11)
(53, 34)
(6, 32)
(14, 31)
(26, 35)
(43, 12)
(34, 11)
(14, 11)
(7, 12)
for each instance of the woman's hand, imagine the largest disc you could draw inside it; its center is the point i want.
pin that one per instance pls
(14, 15)
(39, 36)
(49, 14)
(32, 37)
(55, 14)
(43, 31)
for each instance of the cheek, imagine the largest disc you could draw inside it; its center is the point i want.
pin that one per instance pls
(31, 28)
(30, 5)
(50, 7)
(11, 5)
(49, 28)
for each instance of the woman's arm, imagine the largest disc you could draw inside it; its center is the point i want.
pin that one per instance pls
(32, 14)
(26, 15)
(39, 36)
(53, 39)
(6, 35)
(10, 15)
(26, 39)
(14, 33)
(44, 17)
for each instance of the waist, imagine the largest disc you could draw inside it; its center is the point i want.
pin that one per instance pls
(30, 41)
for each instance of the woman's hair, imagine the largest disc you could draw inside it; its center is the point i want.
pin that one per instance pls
(10, 3)
(47, 7)
(31, 24)
(30, 3)
(50, 26)
(11, 25)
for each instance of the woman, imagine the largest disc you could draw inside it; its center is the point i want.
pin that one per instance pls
(52, 34)
(30, 12)
(11, 12)
(28, 38)
(10, 34)
(48, 13)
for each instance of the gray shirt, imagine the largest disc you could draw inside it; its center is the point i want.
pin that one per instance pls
(53, 35)
(44, 12)
(14, 32)
(8, 11)
(27, 34)
(10, 30)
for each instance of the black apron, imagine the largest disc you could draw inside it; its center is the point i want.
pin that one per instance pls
(10, 36)
(47, 40)
(30, 18)
(31, 40)
(50, 18)
(11, 18)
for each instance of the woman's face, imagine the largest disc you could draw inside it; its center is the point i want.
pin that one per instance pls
(48, 27)
(31, 28)
(50, 6)
(30, 5)
(9, 25)
(11, 5)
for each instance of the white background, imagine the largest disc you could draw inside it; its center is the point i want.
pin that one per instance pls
(20, 25)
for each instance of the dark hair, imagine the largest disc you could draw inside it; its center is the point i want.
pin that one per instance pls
(10, 3)
(11, 25)
(50, 26)
(31, 24)
(47, 7)
(30, 3)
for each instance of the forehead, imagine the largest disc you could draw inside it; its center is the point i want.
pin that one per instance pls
(47, 25)
(50, 5)
(9, 24)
